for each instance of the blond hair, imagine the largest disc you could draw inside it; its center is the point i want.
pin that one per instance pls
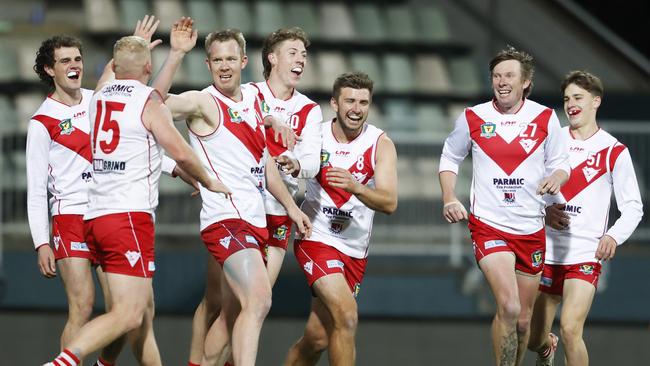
(130, 54)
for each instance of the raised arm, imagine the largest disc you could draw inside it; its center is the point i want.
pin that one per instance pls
(157, 118)
(182, 39)
(383, 197)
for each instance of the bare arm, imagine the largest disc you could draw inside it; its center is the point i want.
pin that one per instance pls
(276, 187)
(182, 39)
(384, 196)
(158, 119)
(452, 209)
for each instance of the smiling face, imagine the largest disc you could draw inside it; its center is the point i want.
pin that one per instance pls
(288, 61)
(508, 85)
(580, 106)
(351, 107)
(67, 70)
(225, 62)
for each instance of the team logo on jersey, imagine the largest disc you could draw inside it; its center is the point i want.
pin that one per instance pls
(355, 291)
(324, 158)
(57, 241)
(132, 257)
(309, 267)
(66, 126)
(488, 130)
(590, 173)
(509, 197)
(546, 281)
(527, 144)
(234, 115)
(359, 176)
(265, 107)
(336, 227)
(537, 257)
(225, 242)
(587, 269)
(281, 233)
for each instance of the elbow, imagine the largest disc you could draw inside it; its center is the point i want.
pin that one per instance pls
(390, 208)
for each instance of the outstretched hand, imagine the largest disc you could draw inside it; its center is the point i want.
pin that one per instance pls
(146, 28)
(183, 36)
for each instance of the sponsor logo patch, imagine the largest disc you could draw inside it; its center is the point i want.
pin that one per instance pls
(281, 232)
(537, 258)
(309, 267)
(587, 269)
(334, 263)
(488, 130)
(509, 197)
(151, 266)
(495, 243)
(80, 246)
(546, 281)
(225, 242)
(132, 257)
(251, 239)
(66, 126)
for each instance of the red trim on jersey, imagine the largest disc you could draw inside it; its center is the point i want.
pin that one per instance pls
(276, 148)
(374, 150)
(50, 96)
(496, 106)
(337, 140)
(217, 174)
(592, 135)
(508, 156)
(77, 140)
(225, 96)
(293, 91)
(579, 178)
(149, 167)
(338, 195)
(189, 128)
(252, 139)
(54, 189)
(144, 106)
(613, 156)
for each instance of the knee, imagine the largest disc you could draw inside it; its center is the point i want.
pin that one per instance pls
(509, 310)
(523, 325)
(570, 331)
(347, 319)
(315, 342)
(259, 305)
(80, 309)
(130, 317)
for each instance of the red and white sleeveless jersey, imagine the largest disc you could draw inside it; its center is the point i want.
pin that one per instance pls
(305, 119)
(511, 155)
(58, 161)
(236, 154)
(598, 165)
(126, 157)
(339, 218)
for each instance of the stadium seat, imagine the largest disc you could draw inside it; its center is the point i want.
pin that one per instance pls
(101, 15)
(303, 15)
(269, 16)
(26, 55)
(400, 116)
(400, 23)
(431, 74)
(398, 73)
(309, 79)
(237, 14)
(255, 70)
(158, 56)
(8, 62)
(431, 23)
(326, 108)
(168, 11)
(464, 75)
(26, 105)
(8, 124)
(432, 121)
(336, 23)
(368, 63)
(331, 64)
(205, 15)
(131, 11)
(196, 70)
(368, 21)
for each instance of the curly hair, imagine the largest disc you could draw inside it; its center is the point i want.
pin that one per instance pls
(277, 37)
(525, 60)
(354, 80)
(45, 55)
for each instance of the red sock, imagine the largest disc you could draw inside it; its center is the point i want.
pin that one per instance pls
(103, 362)
(228, 364)
(66, 358)
(192, 364)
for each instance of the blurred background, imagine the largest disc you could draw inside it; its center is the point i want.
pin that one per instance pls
(423, 301)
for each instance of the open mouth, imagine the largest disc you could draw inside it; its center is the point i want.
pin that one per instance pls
(297, 70)
(504, 93)
(225, 77)
(74, 75)
(354, 117)
(574, 112)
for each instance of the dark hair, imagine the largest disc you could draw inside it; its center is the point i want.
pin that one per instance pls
(354, 80)
(525, 60)
(45, 55)
(585, 80)
(277, 37)
(224, 36)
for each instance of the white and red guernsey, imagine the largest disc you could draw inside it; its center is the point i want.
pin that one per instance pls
(339, 218)
(598, 165)
(126, 158)
(511, 155)
(58, 161)
(305, 119)
(236, 154)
